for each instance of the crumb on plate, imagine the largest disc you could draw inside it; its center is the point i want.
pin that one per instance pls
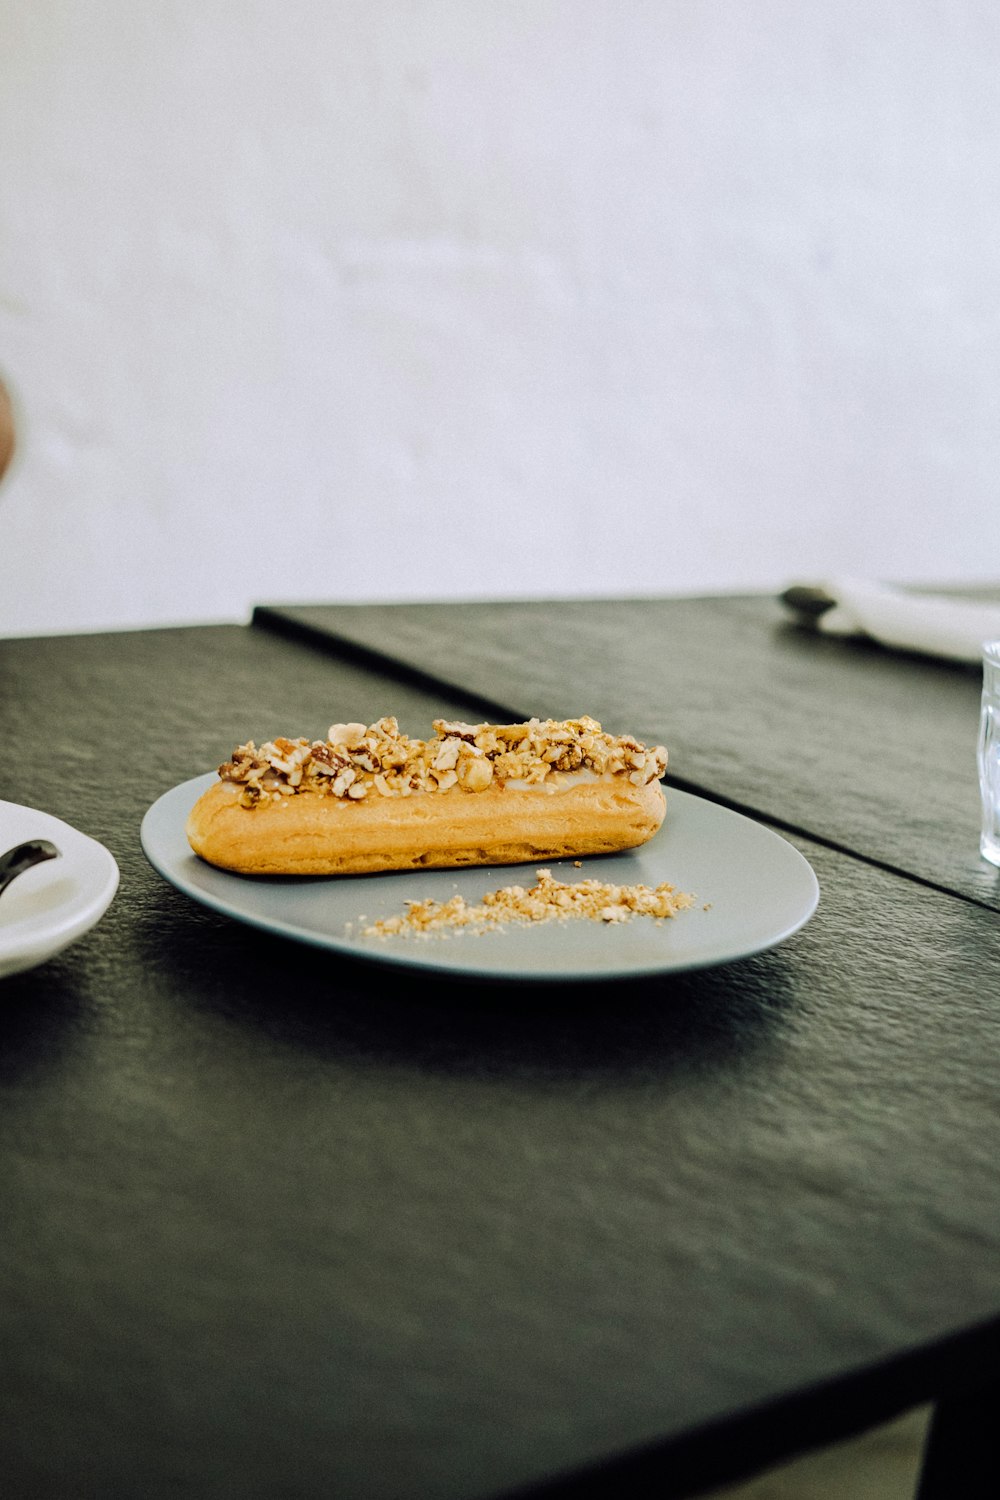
(549, 900)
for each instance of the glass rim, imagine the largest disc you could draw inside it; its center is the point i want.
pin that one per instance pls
(991, 653)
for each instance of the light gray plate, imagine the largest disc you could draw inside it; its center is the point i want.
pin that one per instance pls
(752, 890)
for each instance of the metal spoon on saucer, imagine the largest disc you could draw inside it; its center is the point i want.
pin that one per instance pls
(24, 857)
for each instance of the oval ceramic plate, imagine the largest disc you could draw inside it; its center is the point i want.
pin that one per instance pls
(752, 890)
(53, 904)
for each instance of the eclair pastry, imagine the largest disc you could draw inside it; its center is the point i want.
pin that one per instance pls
(369, 798)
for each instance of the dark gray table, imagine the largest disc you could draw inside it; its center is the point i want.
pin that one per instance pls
(280, 1224)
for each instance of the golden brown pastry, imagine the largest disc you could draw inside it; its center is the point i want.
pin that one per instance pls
(369, 798)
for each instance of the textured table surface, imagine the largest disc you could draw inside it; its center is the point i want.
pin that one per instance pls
(280, 1224)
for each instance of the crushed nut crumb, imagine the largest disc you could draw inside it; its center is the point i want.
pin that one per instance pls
(549, 900)
(355, 760)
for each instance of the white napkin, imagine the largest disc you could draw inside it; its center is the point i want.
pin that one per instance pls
(932, 624)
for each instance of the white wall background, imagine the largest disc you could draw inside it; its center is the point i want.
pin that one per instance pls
(394, 299)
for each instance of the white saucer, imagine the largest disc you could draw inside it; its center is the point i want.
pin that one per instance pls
(53, 904)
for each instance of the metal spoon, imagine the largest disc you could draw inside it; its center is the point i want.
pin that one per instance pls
(22, 857)
(807, 601)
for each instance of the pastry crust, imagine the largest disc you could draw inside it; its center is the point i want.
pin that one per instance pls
(370, 798)
(311, 834)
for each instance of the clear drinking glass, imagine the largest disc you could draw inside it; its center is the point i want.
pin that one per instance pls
(989, 753)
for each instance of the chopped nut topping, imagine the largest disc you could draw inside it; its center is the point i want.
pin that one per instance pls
(550, 900)
(355, 760)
